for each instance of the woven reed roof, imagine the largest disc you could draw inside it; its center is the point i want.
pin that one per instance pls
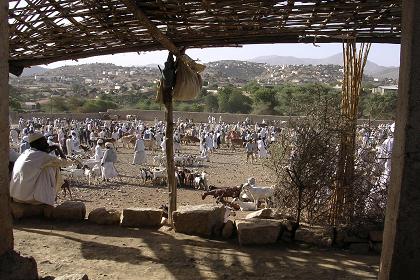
(44, 31)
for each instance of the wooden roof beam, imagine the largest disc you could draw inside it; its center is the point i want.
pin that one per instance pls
(153, 30)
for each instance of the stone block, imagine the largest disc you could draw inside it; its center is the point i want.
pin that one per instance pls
(76, 276)
(23, 210)
(141, 217)
(13, 266)
(258, 231)
(228, 229)
(102, 216)
(201, 220)
(266, 213)
(68, 210)
(376, 235)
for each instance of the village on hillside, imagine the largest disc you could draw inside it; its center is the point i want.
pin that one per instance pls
(43, 89)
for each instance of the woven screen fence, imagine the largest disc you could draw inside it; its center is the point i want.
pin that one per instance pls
(44, 31)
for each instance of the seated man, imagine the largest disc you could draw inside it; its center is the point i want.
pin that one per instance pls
(36, 174)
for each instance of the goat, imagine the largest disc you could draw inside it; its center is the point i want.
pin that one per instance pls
(159, 175)
(200, 181)
(127, 140)
(92, 173)
(65, 187)
(181, 178)
(146, 175)
(245, 206)
(258, 193)
(219, 193)
(74, 172)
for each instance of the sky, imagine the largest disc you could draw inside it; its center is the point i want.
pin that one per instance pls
(382, 54)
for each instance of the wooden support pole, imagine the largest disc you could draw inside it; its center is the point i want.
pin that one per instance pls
(170, 165)
(167, 84)
(153, 30)
(6, 232)
(401, 244)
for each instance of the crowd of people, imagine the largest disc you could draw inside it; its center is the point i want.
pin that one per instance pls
(41, 146)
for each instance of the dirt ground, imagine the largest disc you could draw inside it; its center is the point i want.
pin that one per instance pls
(118, 253)
(226, 168)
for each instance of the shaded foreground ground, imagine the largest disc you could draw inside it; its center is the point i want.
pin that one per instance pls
(119, 253)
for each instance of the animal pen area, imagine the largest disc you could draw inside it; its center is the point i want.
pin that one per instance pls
(193, 212)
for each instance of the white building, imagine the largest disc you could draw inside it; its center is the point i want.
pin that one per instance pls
(385, 89)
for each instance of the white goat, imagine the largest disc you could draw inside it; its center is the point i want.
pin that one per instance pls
(258, 193)
(92, 173)
(200, 181)
(159, 175)
(245, 206)
(73, 172)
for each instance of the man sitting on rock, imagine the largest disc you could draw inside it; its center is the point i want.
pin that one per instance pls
(36, 174)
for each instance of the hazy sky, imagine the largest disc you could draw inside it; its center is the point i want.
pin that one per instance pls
(382, 54)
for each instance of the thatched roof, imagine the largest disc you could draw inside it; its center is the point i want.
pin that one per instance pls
(45, 31)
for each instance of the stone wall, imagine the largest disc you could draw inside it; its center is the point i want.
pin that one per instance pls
(150, 115)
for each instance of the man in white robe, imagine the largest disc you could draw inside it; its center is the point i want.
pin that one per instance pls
(99, 152)
(139, 151)
(69, 145)
(36, 174)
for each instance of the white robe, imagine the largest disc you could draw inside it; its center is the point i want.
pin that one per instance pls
(262, 151)
(69, 146)
(36, 177)
(108, 168)
(139, 152)
(99, 153)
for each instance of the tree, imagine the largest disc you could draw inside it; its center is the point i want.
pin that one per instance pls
(378, 106)
(304, 161)
(212, 104)
(59, 104)
(231, 100)
(264, 100)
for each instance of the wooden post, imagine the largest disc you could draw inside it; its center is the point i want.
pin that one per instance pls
(6, 232)
(401, 244)
(168, 83)
(170, 165)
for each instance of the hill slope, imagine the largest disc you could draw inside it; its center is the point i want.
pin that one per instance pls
(371, 68)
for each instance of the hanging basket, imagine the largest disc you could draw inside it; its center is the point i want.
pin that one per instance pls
(188, 80)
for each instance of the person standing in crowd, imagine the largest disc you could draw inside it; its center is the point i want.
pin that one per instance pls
(139, 151)
(99, 153)
(262, 150)
(249, 149)
(107, 162)
(163, 145)
(69, 146)
(92, 138)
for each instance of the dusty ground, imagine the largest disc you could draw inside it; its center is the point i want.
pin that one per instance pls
(119, 253)
(226, 168)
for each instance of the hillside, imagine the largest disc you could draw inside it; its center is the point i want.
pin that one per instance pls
(371, 69)
(34, 70)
